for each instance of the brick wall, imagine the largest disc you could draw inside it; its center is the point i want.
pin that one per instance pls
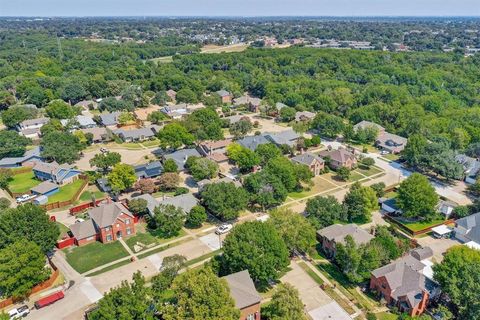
(255, 309)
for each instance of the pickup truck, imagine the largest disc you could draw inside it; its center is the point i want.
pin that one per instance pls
(19, 312)
(25, 197)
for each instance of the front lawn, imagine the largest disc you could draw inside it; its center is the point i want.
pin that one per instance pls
(23, 182)
(386, 316)
(150, 239)
(66, 192)
(94, 255)
(368, 171)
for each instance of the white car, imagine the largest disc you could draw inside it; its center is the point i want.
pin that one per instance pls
(24, 198)
(224, 228)
(78, 220)
(18, 313)
(103, 150)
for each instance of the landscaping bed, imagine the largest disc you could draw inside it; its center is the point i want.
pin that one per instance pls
(94, 255)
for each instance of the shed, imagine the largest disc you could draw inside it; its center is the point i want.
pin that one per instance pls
(40, 200)
(442, 232)
(45, 188)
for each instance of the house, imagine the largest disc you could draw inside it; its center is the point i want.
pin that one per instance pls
(252, 142)
(110, 119)
(471, 167)
(288, 137)
(104, 185)
(46, 188)
(329, 311)
(467, 229)
(152, 203)
(253, 104)
(407, 282)
(312, 161)
(339, 158)
(172, 94)
(28, 160)
(177, 111)
(149, 170)
(33, 134)
(181, 156)
(389, 205)
(59, 174)
(100, 134)
(336, 233)
(31, 128)
(107, 223)
(225, 96)
(202, 183)
(446, 207)
(243, 292)
(304, 116)
(215, 150)
(140, 134)
(143, 113)
(87, 104)
(184, 201)
(391, 142)
(367, 124)
(234, 119)
(79, 121)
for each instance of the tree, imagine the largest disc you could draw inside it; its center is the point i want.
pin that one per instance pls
(175, 135)
(125, 118)
(284, 169)
(196, 217)
(203, 168)
(5, 177)
(296, 231)
(368, 162)
(12, 144)
(240, 128)
(169, 220)
(105, 161)
(28, 222)
(327, 124)
(122, 177)
(285, 304)
(62, 147)
(475, 188)
(59, 109)
(265, 189)
(245, 158)
(224, 200)
(459, 277)
(344, 173)
(287, 114)
(168, 181)
(73, 91)
(379, 189)
(160, 98)
(171, 266)
(266, 152)
(359, 202)
(16, 114)
(200, 294)
(170, 166)
(417, 197)
(157, 117)
(186, 95)
(205, 124)
(138, 206)
(4, 204)
(145, 186)
(324, 211)
(260, 242)
(127, 301)
(22, 266)
(348, 256)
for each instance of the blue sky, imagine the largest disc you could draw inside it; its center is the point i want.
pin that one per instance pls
(239, 7)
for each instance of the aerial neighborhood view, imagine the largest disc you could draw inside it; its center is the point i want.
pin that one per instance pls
(227, 160)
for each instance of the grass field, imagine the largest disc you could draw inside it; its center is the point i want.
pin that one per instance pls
(320, 185)
(66, 192)
(87, 195)
(23, 182)
(420, 225)
(63, 230)
(386, 316)
(94, 255)
(113, 266)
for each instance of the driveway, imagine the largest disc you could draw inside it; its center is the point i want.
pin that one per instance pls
(439, 246)
(131, 157)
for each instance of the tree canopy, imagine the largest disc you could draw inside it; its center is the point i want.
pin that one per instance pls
(417, 197)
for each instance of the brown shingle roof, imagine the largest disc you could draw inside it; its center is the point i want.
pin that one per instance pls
(106, 215)
(338, 232)
(242, 289)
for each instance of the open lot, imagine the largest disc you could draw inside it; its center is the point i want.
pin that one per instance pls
(23, 182)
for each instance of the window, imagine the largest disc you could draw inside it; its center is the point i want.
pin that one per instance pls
(251, 317)
(118, 225)
(109, 237)
(129, 231)
(127, 221)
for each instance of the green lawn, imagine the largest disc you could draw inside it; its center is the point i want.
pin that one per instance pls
(94, 255)
(66, 192)
(368, 171)
(113, 266)
(150, 237)
(151, 143)
(386, 316)
(87, 195)
(63, 229)
(23, 182)
(417, 226)
(391, 156)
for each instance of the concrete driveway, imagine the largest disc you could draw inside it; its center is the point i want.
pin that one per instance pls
(439, 246)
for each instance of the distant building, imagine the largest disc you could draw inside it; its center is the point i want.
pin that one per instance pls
(471, 167)
(177, 111)
(225, 96)
(100, 134)
(28, 160)
(79, 122)
(288, 137)
(31, 128)
(302, 116)
(391, 142)
(253, 104)
(215, 150)
(332, 235)
(252, 142)
(110, 119)
(467, 229)
(312, 161)
(367, 124)
(140, 134)
(181, 156)
(246, 297)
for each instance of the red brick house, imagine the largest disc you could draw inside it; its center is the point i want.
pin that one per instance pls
(107, 223)
(330, 236)
(405, 283)
(225, 96)
(312, 161)
(339, 158)
(244, 294)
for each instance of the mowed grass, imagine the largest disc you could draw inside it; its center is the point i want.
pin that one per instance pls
(87, 195)
(63, 229)
(66, 192)
(23, 182)
(417, 226)
(150, 238)
(386, 316)
(320, 185)
(94, 255)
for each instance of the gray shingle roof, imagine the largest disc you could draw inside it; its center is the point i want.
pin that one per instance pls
(307, 159)
(242, 289)
(338, 232)
(106, 215)
(223, 93)
(472, 225)
(29, 154)
(252, 142)
(84, 229)
(340, 155)
(141, 133)
(368, 124)
(152, 203)
(288, 137)
(44, 187)
(185, 202)
(180, 156)
(33, 122)
(110, 119)
(149, 170)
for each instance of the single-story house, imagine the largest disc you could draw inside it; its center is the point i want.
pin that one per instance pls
(214, 150)
(202, 183)
(406, 283)
(225, 96)
(367, 124)
(143, 113)
(176, 111)
(339, 158)
(252, 142)
(181, 156)
(336, 233)
(253, 104)
(471, 167)
(312, 161)
(80, 122)
(468, 229)
(243, 292)
(33, 133)
(100, 134)
(288, 137)
(107, 223)
(140, 134)
(391, 142)
(28, 160)
(59, 174)
(149, 170)
(33, 123)
(184, 201)
(304, 116)
(152, 203)
(46, 188)
(110, 119)
(234, 119)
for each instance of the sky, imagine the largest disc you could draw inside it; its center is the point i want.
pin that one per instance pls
(50, 8)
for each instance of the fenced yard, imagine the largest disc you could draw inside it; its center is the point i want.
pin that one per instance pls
(22, 182)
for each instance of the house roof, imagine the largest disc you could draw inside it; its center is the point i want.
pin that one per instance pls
(110, 119)
(242, 289)
(246, 99)
(302, 115)
(472, 225)
(44, 187)
(338, 232)
(180, 156)
(252, 142)
(135, 133)
(33, 122)
(149, 170)
(288, 137)
(280, 106)
(185, 202)
(339, 155)
(307, 158)
(367, 124)
(152, 203)
(223, 93)
(84, 229)
(56, 171)
(83, 121)
(235, 118)
(99, 133)
(471, 166)
(390, 140)
(106, 215)
(211, 145)
(29, 154)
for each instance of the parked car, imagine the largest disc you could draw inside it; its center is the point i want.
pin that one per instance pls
(103, 150)
(18, 313)
(25, 197)
(78, 220)
(48, 300)
(224, 228)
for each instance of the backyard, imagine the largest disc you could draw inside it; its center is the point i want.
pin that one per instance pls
(23, 182)
(67, 192)
(91, 192)
(419, 225)
(94, 255)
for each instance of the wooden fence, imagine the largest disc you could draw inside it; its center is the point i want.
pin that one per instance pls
(62, 204)
(82, 207)
(418, 232)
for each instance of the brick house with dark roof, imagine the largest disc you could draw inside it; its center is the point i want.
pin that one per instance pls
(339, 158)
(312, 161)
(244, 294)
(330, 236)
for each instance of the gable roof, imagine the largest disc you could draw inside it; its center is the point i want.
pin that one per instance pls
(84, 229)
(307, 158)
(242, 289)
(339, 155)
(472, 225)
(180, 156)
(44, 187)
(288, 137)
(99, 133)
(184, 201)
(149, 170)
(28, 155)
(390, 140)
(135, 133)
(110, 119)
(338, 232)
(223, 93)
(34, 122)
(106, 215)
(471, 166)
(56, 172)
(368, 124)
(252, 142)
(83, 121)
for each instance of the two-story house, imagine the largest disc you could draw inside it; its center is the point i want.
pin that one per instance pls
(467, 230)
(332, 235)
(214, 150)
(246, 297)
(312, 161)
(339, 158)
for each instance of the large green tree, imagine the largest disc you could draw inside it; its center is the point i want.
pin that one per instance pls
(359, 202)
(224, 199)
(59, 109)
(285, 304)
(63, 147)
(265, 189)
(175, 135)
(105, 161)
(122, 177)
(168, 220)
(18, 113)
(324, 211)
(417, 197)
(12, 144)
(203, 168)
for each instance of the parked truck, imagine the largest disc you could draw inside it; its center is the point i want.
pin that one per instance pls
(48, 300)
